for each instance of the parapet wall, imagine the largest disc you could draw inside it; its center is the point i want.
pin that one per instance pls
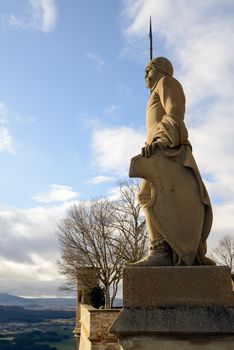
(94, 328)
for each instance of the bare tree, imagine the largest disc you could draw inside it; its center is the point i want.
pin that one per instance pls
(129, 222)
(224, 253)
(85, 236)
(103, 234)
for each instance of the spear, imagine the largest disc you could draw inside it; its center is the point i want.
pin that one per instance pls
(151, 40)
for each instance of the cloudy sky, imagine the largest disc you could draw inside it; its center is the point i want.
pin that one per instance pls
(72, 113)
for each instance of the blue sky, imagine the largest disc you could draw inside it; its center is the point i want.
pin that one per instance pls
(72, 113)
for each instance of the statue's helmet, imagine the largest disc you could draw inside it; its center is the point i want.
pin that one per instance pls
(163, 65)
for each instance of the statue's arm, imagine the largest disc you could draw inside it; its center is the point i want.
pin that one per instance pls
(172, 97)
(171, 131)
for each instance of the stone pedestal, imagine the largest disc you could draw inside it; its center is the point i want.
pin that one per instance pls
(170, 308)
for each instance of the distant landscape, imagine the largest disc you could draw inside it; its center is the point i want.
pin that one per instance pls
(38, 324)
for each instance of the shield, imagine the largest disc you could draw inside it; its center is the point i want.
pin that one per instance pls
(177, 206)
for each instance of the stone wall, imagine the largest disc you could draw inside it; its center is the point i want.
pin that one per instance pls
(94, 328)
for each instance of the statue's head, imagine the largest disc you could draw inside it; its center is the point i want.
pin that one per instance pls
(155, 69)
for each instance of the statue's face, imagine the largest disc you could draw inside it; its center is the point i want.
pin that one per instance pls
(151, 74)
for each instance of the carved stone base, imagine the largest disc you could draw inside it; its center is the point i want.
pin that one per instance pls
(170, 343)
(177, 286)
(170, 308)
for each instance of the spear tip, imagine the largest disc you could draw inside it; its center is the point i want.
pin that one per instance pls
(151, 40)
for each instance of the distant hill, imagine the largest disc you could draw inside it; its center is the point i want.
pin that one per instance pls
(118, 302)
(19, 314)
(44, 303)
(38, 303)
(8, 298)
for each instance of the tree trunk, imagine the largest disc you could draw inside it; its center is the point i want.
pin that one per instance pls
(107, 297)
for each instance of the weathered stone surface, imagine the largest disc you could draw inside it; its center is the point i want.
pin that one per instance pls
(191, 343)
(87, 278)
(170, 308)
(201, 286)
(95, 326)
(174, 321)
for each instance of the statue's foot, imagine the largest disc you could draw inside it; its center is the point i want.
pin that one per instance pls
(159, 255)
(153, 260)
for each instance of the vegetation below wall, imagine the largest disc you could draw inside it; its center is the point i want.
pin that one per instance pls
(37, 340)
(24, 329)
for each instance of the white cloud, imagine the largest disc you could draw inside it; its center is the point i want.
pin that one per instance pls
(110, 109)
(3, 113)
(57, 193)
(44, 14)
(41, 16)
(212, 142)
(100, 179)
(97, 59)
(113, 148)
(30, 249)
(6, 141)
(223, 223)
(114, 193)
(33, 280)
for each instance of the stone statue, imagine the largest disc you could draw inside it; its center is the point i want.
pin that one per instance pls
(174, 199)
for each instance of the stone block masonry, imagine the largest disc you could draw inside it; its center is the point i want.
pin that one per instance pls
(95, 326)
(170, 308)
